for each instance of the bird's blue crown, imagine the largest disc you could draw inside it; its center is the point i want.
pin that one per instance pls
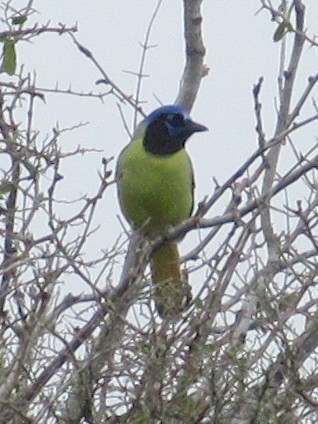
(165, 110)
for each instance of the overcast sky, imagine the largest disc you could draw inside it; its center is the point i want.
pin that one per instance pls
(239, 47)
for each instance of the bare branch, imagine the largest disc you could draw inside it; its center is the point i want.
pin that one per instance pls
(195, 52)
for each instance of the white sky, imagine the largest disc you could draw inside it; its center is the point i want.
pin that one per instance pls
(239, 50)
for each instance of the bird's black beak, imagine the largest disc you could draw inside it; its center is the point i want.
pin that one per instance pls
(193, 127)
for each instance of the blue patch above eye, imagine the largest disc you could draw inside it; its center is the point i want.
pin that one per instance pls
(175, 119)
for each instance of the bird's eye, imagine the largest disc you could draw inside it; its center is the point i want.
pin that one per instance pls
(175, 119)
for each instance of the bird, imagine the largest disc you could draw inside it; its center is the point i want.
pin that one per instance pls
(155, 186)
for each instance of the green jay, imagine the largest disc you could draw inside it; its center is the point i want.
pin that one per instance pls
(155, 189)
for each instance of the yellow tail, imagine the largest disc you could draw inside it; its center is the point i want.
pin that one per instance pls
(172, 293)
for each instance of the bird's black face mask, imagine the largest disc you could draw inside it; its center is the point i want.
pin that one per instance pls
(168, 133)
